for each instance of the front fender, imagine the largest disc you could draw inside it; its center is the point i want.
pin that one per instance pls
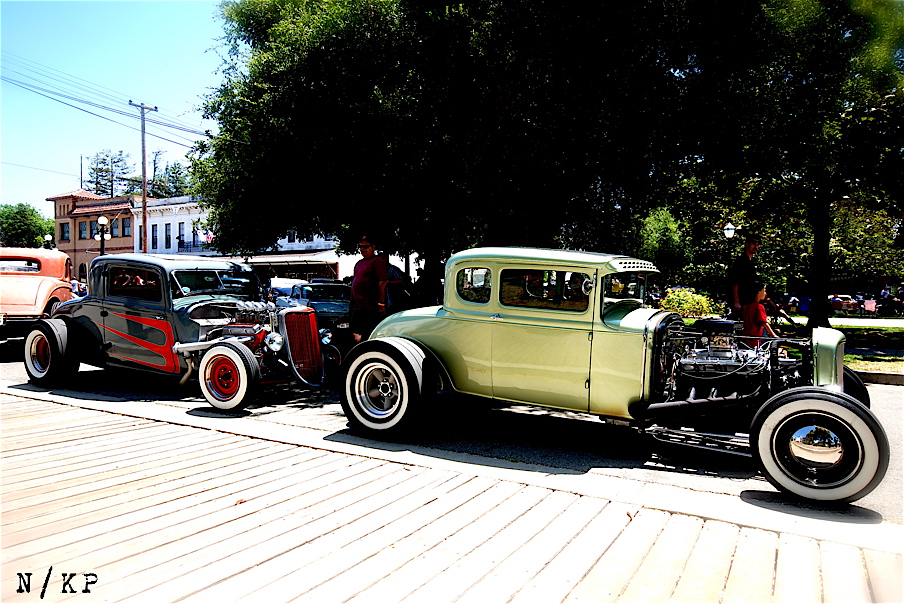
(828, 358)
(421, 358)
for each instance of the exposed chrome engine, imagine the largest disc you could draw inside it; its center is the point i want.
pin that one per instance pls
(710, 362)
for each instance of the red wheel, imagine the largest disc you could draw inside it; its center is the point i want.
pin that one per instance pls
(229, 376)
(223, 377)
(47, 361)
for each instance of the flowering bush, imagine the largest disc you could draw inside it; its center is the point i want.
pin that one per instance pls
(687, 303)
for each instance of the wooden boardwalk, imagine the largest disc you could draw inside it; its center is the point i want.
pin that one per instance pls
(101, 507)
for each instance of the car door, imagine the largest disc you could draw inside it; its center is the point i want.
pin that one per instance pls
(542, 336)
(136, 321)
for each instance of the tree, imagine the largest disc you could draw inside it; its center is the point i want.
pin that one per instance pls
(443, 126)
(779, 102)
(108, 173)
(23, 226)
(386, 115)
(663, 242)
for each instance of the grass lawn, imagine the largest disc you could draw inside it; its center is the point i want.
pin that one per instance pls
(869, 363)
(873, 338)
(876, 338)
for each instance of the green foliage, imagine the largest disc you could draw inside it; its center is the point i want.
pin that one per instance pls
(23, 226)
(663, 242)
(688, 303)
(636, 128)
(108, 173)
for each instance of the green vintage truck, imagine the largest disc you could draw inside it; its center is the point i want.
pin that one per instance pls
(573, 330)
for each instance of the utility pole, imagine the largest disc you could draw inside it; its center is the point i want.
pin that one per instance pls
(144, 179)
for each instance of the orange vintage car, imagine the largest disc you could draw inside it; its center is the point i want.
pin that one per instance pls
(33, 282)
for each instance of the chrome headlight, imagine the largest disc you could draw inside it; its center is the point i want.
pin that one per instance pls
(275, 341)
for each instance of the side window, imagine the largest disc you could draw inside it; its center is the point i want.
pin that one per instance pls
(135, 283)
(474, 285)
(547, 289)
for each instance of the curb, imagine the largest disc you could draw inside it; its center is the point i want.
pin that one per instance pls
(878, 377)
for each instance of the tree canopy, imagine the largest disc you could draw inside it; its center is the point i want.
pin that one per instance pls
(436, 127)
(23, 226)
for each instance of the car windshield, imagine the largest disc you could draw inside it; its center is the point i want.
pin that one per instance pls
(209, 281)
(322, 293)
(630, 286)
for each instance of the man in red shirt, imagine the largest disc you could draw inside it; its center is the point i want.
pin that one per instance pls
(368, 303)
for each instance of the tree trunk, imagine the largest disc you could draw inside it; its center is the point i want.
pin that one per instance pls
(821, 264)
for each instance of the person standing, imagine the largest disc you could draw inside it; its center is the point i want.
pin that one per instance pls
(741, 276)
(368, 303)
(756, 321)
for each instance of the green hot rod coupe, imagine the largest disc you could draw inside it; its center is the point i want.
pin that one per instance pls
(571, 330)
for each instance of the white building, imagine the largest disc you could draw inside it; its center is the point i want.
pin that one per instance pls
(176, 227)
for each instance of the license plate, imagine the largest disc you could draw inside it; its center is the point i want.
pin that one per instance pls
(341, 325)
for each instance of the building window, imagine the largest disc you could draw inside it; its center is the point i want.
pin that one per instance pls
(126, 227)
(93, 228)
(64, 231)
(167, 236)
(181, 238)
(195, 240)
(114, 227)
(153, 236)
(83, 230)
(291, 237)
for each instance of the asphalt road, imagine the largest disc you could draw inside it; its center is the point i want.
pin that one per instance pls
(561, 441)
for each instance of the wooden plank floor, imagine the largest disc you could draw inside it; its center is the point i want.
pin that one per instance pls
(102, 507)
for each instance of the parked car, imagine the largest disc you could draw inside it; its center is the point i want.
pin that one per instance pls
(34, 282)
(330, 301)
(181, 316)
(844, 304)
(282, 288)
(569, 330)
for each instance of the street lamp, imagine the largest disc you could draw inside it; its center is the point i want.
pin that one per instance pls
(103, 233)
(48, 241)
(729, 230)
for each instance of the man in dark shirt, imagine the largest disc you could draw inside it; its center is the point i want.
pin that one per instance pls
(741, 275)
(368, 303)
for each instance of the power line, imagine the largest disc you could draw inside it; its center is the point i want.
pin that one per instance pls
(45, 81)
(7, 163)
(47, 75)
(5, 79)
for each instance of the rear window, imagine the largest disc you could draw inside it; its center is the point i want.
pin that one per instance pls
(20, 265)
(474, 285)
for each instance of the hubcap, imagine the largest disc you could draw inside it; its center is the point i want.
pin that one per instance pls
(222, 377)
(379, 390)
(40, 354)
(816, 447)
(817, 450)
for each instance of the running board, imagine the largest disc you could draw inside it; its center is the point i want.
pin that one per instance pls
(725, 443)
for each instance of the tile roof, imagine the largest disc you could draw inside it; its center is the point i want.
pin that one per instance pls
(101, 208)
(79, 194)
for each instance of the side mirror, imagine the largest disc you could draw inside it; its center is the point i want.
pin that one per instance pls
(587, 286)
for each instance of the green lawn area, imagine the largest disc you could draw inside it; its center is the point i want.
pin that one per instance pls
(881, 338)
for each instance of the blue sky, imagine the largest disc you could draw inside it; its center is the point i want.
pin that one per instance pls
(160, 53)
